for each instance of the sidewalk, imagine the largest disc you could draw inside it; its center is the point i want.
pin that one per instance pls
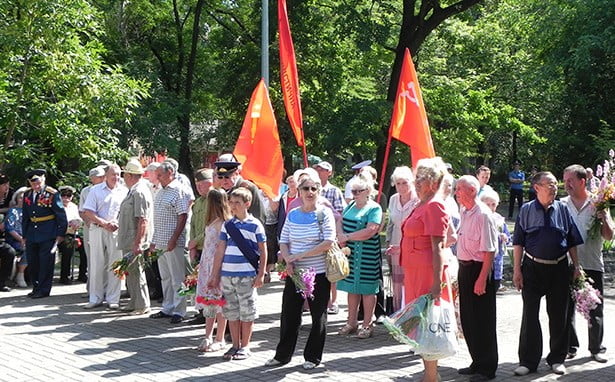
(55, 339)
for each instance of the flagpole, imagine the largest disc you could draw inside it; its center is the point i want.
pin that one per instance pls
(384, 167)
(265, 41)
(305, 158)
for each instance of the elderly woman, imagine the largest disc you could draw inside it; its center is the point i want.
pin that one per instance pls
(359, 229)
(400, 206)
(12, 226)
(307, 235)
(423, 242)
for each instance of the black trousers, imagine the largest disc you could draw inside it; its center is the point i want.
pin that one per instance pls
(596, 330)
(7, 257)
(514, 195)
(553, 282)
(40, 264)
(478, 319)
(154, 281)
(290, 321)
(66, 255)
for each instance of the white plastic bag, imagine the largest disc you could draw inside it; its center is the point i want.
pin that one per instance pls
(437, 333)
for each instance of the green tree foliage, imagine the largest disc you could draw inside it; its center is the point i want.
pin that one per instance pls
(62, 107)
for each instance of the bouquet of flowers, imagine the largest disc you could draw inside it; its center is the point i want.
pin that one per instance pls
(188, 287)
(585, 296)
(211, 299)
(303, 278)
(149, 257)
(120, 267)
(603, 189)
(72, 241)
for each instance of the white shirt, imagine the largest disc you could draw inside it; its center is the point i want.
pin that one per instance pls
(477, 233)
(590, 252)
(104, 201)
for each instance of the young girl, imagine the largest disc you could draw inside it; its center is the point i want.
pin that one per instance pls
(217, 212)
(492, 199)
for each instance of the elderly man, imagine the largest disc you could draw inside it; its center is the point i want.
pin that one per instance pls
(101, 209)
(328, 190)
(43, 225)
(580, 205)
(476, 247)
(135, 234)
(97, 176)
(204, 180)
(546, 231)
(228, 173)
(171, 207)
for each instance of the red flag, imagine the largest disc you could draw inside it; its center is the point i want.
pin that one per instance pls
(258, 146)
(409, 122)
(288, 75)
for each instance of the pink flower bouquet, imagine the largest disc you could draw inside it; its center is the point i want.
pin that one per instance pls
(585, 296)
(304, 279)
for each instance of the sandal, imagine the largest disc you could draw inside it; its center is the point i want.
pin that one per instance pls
(346, 330)
(365, 332)
(215, 346)
(230, 353)
(207, 341)
(241, 354)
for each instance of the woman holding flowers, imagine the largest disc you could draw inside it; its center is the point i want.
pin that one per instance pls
(359, 229)
(423, 242)
(210, 300)
(307, 235)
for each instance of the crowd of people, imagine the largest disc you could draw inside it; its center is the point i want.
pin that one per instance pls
(443, 237)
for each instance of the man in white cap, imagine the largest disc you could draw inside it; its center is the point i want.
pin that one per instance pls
(135, 234)
(357, 169)
(328, 190)
(97, 176)
(102, 208)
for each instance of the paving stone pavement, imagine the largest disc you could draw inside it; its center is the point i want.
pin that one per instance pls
(55, 339)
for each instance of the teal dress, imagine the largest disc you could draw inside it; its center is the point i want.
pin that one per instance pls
(365, 259)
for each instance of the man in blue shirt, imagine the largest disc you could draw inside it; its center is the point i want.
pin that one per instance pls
(516, 178)
(545, 233)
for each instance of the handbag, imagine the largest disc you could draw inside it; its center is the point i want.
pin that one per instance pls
(337, 263)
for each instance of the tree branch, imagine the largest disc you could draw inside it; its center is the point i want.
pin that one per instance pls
(238, 22)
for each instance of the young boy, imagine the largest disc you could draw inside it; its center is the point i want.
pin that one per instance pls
(237, 275)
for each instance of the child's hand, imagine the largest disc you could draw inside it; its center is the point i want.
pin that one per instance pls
(258, 281)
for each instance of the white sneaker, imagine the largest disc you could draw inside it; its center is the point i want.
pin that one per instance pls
(114, 306)
(21, 282)
(92, 305)
(558, 368)
(307, 365)
(522, 370)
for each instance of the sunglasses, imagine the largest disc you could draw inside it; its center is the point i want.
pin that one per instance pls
(67, 195)
(356, 192)
(310, 188)
(224, 176)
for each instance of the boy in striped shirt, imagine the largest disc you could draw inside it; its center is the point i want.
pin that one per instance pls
(238, 277)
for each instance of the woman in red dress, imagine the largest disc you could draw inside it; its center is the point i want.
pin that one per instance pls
(423, 242)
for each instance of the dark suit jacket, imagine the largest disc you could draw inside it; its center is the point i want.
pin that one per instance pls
(48, 203)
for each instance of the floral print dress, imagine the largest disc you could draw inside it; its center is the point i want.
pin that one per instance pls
(204, 295)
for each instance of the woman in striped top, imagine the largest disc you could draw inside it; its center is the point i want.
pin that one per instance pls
(361, 224)
(307, 235)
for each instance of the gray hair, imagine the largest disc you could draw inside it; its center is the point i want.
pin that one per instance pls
(431, 169)
(364, 180)
(402, 172)
(490, 195)
(168, 167)
(471, 181)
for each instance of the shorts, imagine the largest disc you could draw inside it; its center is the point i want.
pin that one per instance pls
(240, 298)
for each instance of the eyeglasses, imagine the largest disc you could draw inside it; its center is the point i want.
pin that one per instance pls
(224, 176)
(66, 195)
(548, 185)
(356, 192)
(310, 188)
